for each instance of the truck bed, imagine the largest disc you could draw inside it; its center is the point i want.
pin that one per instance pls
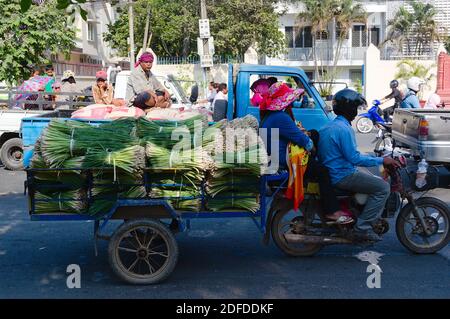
(436, 146)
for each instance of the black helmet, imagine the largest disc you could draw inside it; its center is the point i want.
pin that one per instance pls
(346, 103)
(393, 84)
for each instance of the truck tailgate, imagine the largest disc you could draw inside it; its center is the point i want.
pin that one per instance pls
(436, 146)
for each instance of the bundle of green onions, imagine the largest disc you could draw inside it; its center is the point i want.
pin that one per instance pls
(129, 159)
(231, 182)
(65, 179)
(182, 190)
(73, 201)
(66, 139)
(253, 158)
(194, 160)
(193, 205)
(167, 133)
(104, 200)
(233, 201)
(126, 126)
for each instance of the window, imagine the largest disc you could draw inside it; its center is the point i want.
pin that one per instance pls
(375, 36)
(307, 37)
(289, 32)
(355, 76)
(359, 36)
(322, 35)
(298, 37)
(91, 31)
(310, 74)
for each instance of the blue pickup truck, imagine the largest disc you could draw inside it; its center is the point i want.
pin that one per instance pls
(148, 215)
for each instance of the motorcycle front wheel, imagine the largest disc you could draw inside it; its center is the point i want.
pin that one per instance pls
(411, 233)
(364, 125)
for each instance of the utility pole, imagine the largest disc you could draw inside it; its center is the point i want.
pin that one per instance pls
(131, 25)
(205, 39)
(147, 26)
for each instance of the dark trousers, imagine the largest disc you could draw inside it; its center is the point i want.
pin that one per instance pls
(319, 173)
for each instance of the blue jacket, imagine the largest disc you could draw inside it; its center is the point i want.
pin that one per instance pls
(288, 132)
(337, 150)
(411, 101)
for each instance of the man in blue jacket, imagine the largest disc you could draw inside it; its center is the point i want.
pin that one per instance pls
(337, 150)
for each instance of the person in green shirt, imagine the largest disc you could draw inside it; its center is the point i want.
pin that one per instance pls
(50, 72)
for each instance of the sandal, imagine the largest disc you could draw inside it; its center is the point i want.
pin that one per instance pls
(342, 220)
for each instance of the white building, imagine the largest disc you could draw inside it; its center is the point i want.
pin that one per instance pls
(91, 52)
(351, 62)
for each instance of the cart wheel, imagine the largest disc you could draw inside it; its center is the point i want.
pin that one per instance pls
(143, 252)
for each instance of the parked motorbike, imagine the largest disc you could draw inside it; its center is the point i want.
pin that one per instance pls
(373, 118)
(422, 224)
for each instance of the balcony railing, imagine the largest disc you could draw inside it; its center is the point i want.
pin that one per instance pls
(389, 53)
(325, 54)
(80, 69)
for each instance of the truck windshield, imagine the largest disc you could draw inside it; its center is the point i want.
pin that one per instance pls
(183, 87)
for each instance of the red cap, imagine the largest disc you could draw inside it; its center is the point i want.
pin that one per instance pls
(101, 75)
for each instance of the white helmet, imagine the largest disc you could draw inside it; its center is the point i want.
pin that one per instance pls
(414, 83)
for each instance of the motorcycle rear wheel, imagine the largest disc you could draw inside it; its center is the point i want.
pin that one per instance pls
(280, 225)
(437, 219)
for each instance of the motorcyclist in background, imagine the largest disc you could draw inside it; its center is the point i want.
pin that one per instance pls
(411, 101)
(398, 98)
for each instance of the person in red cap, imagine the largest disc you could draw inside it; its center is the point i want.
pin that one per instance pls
(142, 79)
(103, 92)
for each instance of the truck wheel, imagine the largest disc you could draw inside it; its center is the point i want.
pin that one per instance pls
(410, 232)
(11, 154)
(143, 252)
(281, 224)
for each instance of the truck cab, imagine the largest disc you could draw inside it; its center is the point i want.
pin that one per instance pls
(311, 109)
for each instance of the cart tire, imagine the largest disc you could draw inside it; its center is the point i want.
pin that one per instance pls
(11, 154)
(133, 256)
(303, 250)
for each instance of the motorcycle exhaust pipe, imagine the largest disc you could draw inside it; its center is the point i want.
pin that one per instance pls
(309, 239)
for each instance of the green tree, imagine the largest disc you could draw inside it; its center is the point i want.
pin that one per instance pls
(174, 27)
(29, 38)
(410, 68)
(235, 25)
(239, 24)
(415, 30)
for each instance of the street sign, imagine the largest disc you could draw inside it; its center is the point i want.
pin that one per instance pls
(206, 61)
(200, 46)
(204, 28)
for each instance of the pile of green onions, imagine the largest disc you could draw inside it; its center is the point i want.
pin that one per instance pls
(73, 201)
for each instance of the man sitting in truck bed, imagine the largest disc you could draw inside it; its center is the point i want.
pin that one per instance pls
(142, 79)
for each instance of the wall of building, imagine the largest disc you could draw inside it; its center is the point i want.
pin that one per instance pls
(378, 73)
(218, 73)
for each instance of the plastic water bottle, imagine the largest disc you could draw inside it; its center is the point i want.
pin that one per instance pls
(421, 173)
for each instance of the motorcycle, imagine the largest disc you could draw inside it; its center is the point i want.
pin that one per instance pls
(367, 121)
(422, 224)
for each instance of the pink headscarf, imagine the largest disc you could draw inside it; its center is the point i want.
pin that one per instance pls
(145, 57)
(279, 97)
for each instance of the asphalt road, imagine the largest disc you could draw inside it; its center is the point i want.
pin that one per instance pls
(220, 258)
